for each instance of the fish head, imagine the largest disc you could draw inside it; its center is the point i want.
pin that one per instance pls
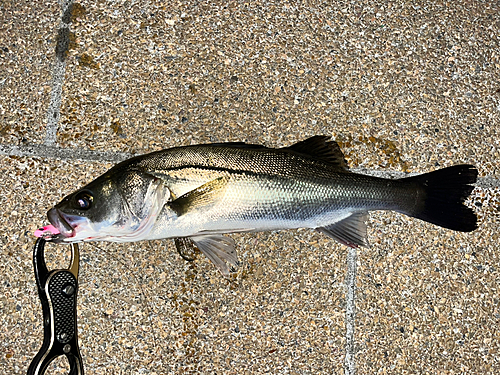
(119, 206)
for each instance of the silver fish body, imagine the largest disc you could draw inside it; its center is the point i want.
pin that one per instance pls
(197, 193)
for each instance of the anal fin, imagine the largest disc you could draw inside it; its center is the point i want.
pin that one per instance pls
(351, 231)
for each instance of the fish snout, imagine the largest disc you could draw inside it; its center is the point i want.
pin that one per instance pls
(60, 221)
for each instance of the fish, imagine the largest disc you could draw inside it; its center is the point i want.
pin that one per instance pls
(197, 194)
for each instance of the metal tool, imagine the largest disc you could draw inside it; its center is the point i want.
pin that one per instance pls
(57, 290)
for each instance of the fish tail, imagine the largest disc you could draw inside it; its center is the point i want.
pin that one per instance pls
(441, 197)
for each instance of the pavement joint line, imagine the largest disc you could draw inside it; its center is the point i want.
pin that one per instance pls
(350, 312)
(55, 152)
(58, 73)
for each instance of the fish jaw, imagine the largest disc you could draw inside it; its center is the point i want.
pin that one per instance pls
(72, 228)
(61, 222)
(75, 228)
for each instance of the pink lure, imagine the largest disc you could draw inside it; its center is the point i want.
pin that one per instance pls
(47, 231)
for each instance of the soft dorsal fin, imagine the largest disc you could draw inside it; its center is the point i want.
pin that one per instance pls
(321, 147)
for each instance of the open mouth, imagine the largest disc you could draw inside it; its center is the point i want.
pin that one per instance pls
(60, 221)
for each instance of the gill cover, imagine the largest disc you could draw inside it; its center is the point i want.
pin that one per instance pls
(143, 197)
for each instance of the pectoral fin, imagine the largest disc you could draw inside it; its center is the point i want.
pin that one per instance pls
(201, 196)
(350, 231)
(219, 249)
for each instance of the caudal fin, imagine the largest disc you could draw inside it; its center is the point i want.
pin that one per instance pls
(445, 191)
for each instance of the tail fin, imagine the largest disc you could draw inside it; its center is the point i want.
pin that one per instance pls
(445, 191)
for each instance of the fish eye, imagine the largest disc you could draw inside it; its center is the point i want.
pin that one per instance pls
(83, 200)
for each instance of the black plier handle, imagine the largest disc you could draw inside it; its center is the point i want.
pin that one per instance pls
(57, 290)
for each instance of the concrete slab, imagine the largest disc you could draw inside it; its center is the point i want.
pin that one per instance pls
(402, 87)
(27, 43)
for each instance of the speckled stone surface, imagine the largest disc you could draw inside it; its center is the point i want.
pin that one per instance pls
(27, 42)
(403, 86)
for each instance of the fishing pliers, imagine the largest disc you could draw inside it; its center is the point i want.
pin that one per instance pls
(57, 290)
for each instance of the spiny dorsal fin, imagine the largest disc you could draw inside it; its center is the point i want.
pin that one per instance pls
(321, 148)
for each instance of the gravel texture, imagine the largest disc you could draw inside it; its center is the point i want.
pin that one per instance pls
(403, 87)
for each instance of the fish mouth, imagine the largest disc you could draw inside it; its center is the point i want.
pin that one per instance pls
(60, 221)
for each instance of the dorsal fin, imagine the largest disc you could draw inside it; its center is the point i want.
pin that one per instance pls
(322, 148)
